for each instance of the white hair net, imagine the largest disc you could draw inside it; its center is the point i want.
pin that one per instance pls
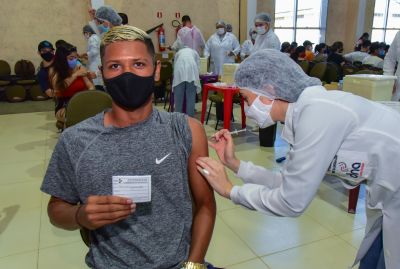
(109, 14)
(220, 22)
(262, 17)
(273, 74)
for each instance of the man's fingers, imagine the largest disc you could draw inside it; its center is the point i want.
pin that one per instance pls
(95, 218)
(108, 199)
(105, 208)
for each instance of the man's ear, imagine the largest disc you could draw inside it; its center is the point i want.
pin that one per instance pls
(157, 71)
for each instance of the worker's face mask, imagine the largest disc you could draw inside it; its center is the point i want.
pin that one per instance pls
(130, 91)
(260, 113)
(261, 30)
(221, 31)
(102, 28)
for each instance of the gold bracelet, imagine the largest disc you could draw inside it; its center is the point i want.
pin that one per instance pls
(194, 265)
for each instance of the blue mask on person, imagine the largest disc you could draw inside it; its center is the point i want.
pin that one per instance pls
(381, 53)
(72, 63)
(103, 29)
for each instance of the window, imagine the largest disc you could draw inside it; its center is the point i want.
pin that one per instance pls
(300, 20)
(386, 20)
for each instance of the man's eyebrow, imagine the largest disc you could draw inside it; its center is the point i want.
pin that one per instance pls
(134, 59)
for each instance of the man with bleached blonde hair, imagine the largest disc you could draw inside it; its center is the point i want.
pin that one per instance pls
(128, 174)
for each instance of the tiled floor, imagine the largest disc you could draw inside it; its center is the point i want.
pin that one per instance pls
(325, 237)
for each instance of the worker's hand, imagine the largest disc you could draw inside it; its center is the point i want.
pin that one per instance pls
(215, 173)
(103, 210)
(222, 143)
(92, 13)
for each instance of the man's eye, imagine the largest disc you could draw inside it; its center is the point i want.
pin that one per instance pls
(139, 64)
(114, 66)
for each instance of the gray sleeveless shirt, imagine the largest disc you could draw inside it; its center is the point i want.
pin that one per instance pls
(158, 234)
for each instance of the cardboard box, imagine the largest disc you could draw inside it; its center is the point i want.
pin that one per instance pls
(373, 87)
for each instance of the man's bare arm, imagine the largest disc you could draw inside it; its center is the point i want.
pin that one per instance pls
(202, 195)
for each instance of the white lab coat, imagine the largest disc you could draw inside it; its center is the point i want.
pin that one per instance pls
(192, 38)
(187, 68)
(373, 60)
(268, 40)
(218, 51)
(392, 58)
(94, 61)
(247, 46)
(352, 137)
(356, 56)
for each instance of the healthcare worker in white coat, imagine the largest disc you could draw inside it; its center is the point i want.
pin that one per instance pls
(266, 38)
(186, 82)
(390, 63)
(93, 55)
(248, 44)
(222, 47)
(328, 131)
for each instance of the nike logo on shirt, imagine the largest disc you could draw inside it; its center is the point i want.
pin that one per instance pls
(158, 161)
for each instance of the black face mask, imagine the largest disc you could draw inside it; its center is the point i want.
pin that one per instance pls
(47, 56)
(130, 91)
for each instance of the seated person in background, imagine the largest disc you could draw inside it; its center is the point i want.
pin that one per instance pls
(382, 50)
(320, 53)
(285, 48)
(186, 80)
(133, 143)
(293, 47)
(60, 42)
(299, 54)
(46, 51)
(373, 59)
(67, 78)
(309, 53)
(335, 55)
(358, 56)
(248, 44)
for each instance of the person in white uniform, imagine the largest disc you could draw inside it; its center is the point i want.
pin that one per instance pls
(328, 131)
(373, 58)
(190, 36)
(247, 45)
(186, 82)
(266, 38)
(93, 55)
(390, 63)
(358, 56)
(222, 47)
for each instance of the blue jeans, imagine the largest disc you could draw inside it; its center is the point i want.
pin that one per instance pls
(374, 258)
(187, 89)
